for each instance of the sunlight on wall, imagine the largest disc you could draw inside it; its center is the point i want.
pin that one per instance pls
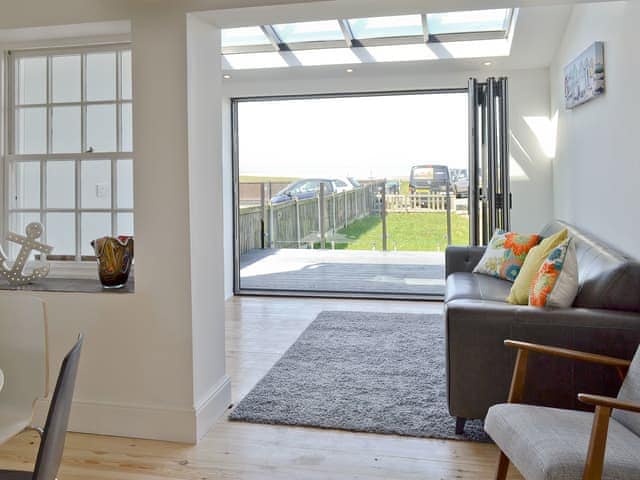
(515, 170)
(546, 131)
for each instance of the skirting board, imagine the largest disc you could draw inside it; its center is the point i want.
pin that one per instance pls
(173, 424)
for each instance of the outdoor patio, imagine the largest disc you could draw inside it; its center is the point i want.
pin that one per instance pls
(349, 271)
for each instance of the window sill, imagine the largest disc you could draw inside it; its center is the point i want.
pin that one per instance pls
(69, 285)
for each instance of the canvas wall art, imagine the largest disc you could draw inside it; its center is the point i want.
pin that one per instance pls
(584, 76)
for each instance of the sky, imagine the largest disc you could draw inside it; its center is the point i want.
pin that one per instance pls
(363, 137)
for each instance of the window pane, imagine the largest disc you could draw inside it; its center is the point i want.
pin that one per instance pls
(66, 80)
(125, 183)
(17, 224)
(236, 37)
(94, 225)
(379, 27)
(101, 128)
(309, 31)
(125, 85)
(61, 186)
(241, 61)
(26, 192)
(471, 21)
(126, 133)
(31, 130)
(125, 224)
(101, 76)
(61, 233)
(66, 130)
(32, 80)
(326, 56)
(95, 184)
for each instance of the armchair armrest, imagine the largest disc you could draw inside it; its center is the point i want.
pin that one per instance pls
(571, 354)
(520, 368)
(598, 441)
(608, 402)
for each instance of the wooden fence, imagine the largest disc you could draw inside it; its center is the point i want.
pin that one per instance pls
(420, 202)
(301, 223)
(297, 223)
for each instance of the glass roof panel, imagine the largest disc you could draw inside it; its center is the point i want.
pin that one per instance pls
(241, 61)
(469, 21)
(326, 56)
(382, 27)
(243, 36)
(309, 31)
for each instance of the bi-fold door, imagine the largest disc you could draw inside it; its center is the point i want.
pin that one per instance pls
(489, 190)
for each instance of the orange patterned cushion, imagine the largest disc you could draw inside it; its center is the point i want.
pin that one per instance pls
(505, 254)
(556, 283)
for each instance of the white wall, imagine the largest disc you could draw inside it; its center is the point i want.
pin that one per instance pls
(597, 167)
(531, 179)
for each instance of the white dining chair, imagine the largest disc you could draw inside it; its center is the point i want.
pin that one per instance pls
(23, 360)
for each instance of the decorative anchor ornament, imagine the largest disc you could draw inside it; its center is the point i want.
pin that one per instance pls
(15, 275)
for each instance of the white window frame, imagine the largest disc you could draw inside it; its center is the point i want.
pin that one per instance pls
(80, 265)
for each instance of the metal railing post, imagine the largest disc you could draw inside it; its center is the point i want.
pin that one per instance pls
(263, 216)
(298, 223)
(321, 211)
(384, 215)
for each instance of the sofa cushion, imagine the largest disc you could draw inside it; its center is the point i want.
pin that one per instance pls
(535, 258)
(476, 287)
(608, 278)
(556, 283)
(505, 254)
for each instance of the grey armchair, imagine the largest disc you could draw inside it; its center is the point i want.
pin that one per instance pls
(555, 444)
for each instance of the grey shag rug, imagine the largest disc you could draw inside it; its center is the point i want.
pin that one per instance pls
(363, 372)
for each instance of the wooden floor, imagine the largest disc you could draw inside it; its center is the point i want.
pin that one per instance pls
(259, 330)
(359, 271)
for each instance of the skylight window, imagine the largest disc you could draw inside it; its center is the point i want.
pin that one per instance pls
(309, 31)
(414, 37)
(467, 22)
(384, 27)
(243, 36)
(241, 61)
(326, 56)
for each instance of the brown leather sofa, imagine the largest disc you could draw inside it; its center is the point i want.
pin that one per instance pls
(605, 318)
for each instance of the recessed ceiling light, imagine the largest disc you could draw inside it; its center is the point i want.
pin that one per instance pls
(349, 70)
(487, 63)
(226, 76)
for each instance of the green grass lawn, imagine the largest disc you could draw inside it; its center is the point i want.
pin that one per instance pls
(406, 231)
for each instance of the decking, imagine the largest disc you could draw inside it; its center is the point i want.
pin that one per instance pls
(345, 271)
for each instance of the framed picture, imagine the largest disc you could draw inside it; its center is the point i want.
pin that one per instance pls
(584, 76)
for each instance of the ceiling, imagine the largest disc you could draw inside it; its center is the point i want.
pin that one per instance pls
(537, 32)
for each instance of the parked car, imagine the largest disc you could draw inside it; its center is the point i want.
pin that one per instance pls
(303, 189)
(461, 184)
(343, 184)
(354, 182)
(392, 187)
(430, 178)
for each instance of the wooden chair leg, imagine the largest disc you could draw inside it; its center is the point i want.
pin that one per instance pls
(503, 467)
(597, 444)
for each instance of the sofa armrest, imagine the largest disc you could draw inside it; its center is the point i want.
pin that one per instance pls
(462, 259)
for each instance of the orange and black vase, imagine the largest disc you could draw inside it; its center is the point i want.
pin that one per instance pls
(115, 257)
